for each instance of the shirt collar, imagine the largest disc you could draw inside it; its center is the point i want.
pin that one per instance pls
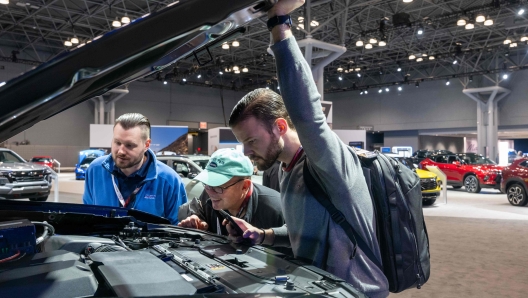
(293, 161)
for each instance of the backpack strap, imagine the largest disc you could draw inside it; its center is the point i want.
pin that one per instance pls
(322, 197)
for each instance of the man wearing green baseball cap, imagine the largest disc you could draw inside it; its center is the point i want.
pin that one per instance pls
(228, 186)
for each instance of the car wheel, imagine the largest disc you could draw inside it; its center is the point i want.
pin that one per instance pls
(41, 199)
(471, 184)
(517, 195)
(457, 186)
(428, 202)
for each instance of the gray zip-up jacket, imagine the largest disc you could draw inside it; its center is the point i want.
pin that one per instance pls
(310, 230)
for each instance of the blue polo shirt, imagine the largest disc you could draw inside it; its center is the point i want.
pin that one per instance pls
(128, 184)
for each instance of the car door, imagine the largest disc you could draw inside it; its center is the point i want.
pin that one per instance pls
(448, 168)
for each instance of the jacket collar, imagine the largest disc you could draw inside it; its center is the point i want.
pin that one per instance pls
(152, 172)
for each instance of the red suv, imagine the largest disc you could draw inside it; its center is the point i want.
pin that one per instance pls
(471, 170)
(43, 160)
(515, 182)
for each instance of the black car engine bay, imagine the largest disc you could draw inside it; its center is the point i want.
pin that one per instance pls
(68, 252)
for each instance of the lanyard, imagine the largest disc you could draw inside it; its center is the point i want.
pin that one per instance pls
(120, 196)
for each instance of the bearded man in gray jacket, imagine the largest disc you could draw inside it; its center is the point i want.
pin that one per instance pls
(273, 128)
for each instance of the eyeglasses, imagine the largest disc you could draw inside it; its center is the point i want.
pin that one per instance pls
(219, 189)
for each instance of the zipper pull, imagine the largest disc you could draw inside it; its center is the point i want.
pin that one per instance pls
(419, 286)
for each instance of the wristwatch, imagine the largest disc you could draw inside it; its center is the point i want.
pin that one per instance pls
(278, 20)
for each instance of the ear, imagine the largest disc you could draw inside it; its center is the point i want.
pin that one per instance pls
(282, 125)
(247, 184)
(147, 144)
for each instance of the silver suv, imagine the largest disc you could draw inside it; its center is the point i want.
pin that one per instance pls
(187, 168)
(20, 179)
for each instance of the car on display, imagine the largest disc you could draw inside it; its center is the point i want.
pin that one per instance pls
(515, 182)
(44, 160)
(74, 250)
(470, 170)
(187, 169)
(430, 183)
(23, 180)
(421, 154)
(85, 159)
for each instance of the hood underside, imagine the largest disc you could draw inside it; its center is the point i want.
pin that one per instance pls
(182, 30)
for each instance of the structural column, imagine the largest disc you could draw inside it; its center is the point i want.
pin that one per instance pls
(487, 118)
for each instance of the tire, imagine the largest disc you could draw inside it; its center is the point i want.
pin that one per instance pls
(471, 184)
(428, 202)
(41, 199)
(516, 195)
(457, 186)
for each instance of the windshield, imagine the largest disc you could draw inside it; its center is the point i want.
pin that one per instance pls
(7, 157)
(201, 162)
(87, 161)
(478, 160)
(38, 159)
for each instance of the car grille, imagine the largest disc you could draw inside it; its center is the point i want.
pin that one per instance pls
(428, 184)
(27, 176)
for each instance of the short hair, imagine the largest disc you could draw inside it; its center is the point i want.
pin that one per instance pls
(131, 120)
(263, 104)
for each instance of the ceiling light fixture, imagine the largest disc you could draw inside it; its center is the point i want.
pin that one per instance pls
(359, 75)
(237, 71)
(368, 46)
(505, 76)
(235, 68)
(507, 41)
(314, 23)
(340, 69)
(524, 38)
(400, 88)
(74, 40)
(366, 91)
(382, 43)
(245, 69)
(225, 46)
(125, 19)
(359, 43)
(521, 11)
(480, 18)
(407, 1)
(420, 30)
(68, 43)
(373, 40)
(357, 69)
(432, 57)
(417, 84)
(447, 82)
(513, 45)
(235, 43)
(340, 78)
(300, 19)
(220, 72)
(412, 57)
(455, 61)
(470, 26)
(419, 59)
(116, 23)
(461, 21)
(488, 22)
(379, 91)
(199, 76)
(4, 2)
(165, 82)
(386, 89)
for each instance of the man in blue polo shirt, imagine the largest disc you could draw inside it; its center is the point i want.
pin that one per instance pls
(131, 177)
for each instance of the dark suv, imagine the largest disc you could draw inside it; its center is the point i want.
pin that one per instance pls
(515, 182)
(21, 180)
(422, 154)
(470, 170)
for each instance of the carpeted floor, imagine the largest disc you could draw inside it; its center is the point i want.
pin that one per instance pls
(476, 258)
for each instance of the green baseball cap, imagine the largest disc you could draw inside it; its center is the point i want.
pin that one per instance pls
(224, 165)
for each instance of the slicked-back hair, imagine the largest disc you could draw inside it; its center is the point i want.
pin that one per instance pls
(131, 120)
(263, 104)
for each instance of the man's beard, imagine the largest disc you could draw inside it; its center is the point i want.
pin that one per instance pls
(272, 154)
(127, 163)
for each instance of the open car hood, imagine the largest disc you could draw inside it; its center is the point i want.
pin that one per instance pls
(134, 51)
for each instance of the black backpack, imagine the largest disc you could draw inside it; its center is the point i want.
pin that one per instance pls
(396, 195)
